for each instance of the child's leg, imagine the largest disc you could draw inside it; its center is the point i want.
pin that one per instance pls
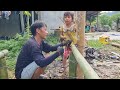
(65, 57)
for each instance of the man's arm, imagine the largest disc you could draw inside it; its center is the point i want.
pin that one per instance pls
(41, 60)
(47, 48)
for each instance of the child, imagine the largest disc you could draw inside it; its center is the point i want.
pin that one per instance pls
(68, 32)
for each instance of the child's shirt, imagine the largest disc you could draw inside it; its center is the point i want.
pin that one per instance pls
(69, 33)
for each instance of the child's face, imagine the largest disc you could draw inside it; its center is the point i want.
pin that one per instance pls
(68, 19)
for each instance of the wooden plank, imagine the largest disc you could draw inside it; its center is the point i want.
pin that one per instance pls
(115, 44)
(115, 54)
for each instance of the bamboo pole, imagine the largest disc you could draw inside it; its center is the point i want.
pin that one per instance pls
(88, 71)
(72, 66)
(81, 18)
(3, 53)
(3, 69)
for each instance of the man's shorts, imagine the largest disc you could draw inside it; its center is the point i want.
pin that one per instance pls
(29, 70)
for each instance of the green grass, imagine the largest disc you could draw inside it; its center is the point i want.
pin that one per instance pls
(14, 47)
(116, 41)
(95, 44)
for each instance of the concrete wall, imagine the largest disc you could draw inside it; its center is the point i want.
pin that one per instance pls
(12, 26)
(51, 18)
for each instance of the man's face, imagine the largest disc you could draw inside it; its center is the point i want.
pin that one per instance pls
(43, 32)
(68, 19)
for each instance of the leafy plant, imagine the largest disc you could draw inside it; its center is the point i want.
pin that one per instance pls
(13, 46)
(52, 39)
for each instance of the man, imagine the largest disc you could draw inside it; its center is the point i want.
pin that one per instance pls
(6, 14)
(87, 27)
(31, 60)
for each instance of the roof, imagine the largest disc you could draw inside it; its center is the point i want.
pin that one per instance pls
(91, 13)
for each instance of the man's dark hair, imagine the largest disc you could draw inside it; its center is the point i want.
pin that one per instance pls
(69, 14)
(37, 24)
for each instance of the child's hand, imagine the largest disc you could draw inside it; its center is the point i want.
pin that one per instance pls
(67, 43)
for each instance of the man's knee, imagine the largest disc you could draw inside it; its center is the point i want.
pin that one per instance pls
(38, 72)
(29, 71)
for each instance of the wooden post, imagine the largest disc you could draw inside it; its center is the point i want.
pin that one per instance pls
(81, 18)
(32, 17)
(97, 21)
(3, 68)
(39, 15)
(22, 21)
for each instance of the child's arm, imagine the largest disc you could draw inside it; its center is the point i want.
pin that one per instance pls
(62, 36)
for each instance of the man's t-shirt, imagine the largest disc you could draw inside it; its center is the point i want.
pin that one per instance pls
(32, 51)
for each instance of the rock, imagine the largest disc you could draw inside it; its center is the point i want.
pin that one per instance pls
(114, 57)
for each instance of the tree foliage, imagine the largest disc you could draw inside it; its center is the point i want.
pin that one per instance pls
(27, 13)
(115, 17)
(105, 20)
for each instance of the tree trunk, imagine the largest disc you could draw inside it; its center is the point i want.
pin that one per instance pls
(81, 38)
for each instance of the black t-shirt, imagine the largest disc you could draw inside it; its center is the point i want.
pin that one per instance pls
(31, 51)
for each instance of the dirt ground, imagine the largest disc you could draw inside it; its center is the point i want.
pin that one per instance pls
(107, 68)
(107, 71)
(56, 71)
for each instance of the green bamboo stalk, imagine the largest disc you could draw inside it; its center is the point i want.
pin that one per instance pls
(88, 71)
(3, 68)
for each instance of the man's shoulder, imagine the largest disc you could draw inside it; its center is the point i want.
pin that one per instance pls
(30, 41)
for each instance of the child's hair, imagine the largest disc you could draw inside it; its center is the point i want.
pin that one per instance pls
(69, 14)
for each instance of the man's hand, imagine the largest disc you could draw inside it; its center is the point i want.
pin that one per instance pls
(60, 50)
(67, 43)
